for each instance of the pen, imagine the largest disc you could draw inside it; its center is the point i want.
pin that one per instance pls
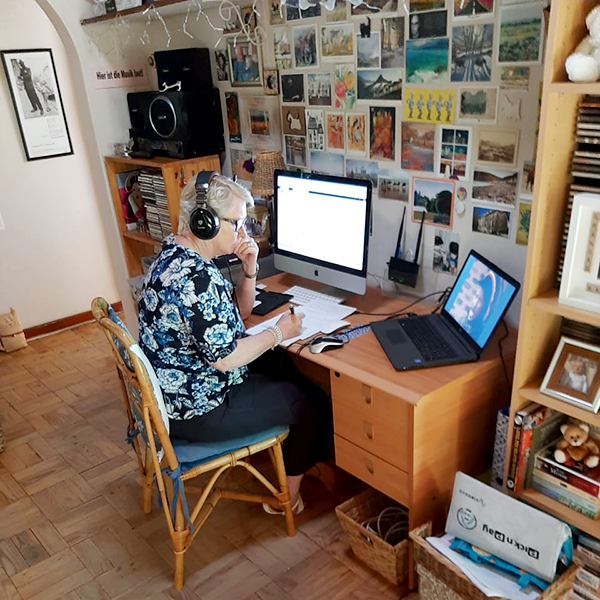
(292, 310)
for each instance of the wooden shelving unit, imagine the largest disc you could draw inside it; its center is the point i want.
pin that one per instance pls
(541, 313)
(137, 244)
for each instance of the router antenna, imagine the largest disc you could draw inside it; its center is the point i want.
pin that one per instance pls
(399, 243)
(419, 237)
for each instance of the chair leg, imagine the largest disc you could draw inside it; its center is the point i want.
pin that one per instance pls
(179, 555)
(283, 486)
(178, 538)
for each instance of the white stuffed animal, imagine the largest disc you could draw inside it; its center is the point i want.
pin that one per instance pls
(583, 65)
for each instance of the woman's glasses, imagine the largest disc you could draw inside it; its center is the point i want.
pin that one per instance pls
(237, 225)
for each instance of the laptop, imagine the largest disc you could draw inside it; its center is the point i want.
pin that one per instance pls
(481, 295)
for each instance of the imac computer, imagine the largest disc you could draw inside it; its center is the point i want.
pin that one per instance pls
(322, 228)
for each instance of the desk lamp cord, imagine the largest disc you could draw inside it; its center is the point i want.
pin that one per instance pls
(508, 380)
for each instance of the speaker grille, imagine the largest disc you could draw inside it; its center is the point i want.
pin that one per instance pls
(163, 117)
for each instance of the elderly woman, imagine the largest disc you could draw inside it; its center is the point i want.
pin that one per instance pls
(217, 381)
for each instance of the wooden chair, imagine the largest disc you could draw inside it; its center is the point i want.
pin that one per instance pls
(172, 463)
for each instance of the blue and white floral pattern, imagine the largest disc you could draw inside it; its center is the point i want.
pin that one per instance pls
(188, 321)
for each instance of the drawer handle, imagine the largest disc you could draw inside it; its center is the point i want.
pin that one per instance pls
(368, 427)
(369, 466)
(366, 394)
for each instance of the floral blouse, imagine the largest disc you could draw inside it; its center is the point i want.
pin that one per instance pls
(187, 321)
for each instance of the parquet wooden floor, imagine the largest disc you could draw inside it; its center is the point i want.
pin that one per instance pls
(71, 524)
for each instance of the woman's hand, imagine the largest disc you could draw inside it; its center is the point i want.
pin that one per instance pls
(247, 251)
(290, 324)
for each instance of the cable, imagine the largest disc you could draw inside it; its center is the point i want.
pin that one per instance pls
(391, 525)
(402, 310)
(506, 333)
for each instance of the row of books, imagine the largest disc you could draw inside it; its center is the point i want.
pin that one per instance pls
(152, 187)
(587, 581)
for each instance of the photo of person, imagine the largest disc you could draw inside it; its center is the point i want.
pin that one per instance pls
(578, 373)
(34, 86)
(244, 64)
(222, 65)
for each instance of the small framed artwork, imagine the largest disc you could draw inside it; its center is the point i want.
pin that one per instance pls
(434, 198)
(580, 282)
(574, 374)
(222, 61)
(271, 82)
(261, 127)
(292, 87)
(37, 102)
(497, 147)
(244, 63)
(294, 120)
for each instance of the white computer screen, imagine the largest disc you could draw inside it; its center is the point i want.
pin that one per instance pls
(322, 220)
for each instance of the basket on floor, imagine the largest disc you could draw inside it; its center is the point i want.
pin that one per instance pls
(442, 580)
(390, 561)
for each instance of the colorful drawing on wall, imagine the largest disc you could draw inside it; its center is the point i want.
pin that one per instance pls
(339, 12)
(241, 162)
(495, 185)
(315, 126)
(520, 38)
(473, 8)
(498, 147)
(337, 41)
(305, 46)
(427, 60)
(356, 136)
(380, 84)
(276, 12)
(293, 120)
(454, 152)
(318, 87)
(393, 185)
(362, 169)
(421, 5)
(345, 87)
(472, 47)
(446, 246)
(392, 42)
(418, 146)
(295, 150)
(435, 198)
(292, 87)
(375, 7)
(514, 78)
(233, 117)
(382, 125)
(478, 104)
(527, 179)
(222, 61)
(292, 12)
(282, 49)
(259, 122)
(491, 221)
(428, 25)
(429, 106)
(523, 224)
(335, 130)
(368, 51)
(326, 163)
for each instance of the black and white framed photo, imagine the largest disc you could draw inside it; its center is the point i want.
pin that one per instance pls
(37, 101)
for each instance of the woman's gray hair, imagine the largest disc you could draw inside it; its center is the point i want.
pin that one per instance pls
(221, 194)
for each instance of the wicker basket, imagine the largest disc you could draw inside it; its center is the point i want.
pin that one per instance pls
(265, 165)
(390, 561)
(442, 580)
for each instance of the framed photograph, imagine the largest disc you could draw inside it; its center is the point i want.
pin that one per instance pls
(222, 61)
(244, 63)
(271, 82)
(497, 147)
(580, 283)
(435, 198)
(261, 127)
(574, 374)
(37, 102)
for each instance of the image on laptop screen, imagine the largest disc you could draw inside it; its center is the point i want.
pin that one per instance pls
(478, 299)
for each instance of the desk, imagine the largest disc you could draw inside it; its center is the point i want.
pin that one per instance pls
(407, 433)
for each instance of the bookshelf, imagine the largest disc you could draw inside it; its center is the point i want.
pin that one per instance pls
(137, 244)
(541, 313)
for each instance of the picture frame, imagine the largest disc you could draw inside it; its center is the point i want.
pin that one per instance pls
(574, 374)
(271, 82)
(245, 64)
(580, 282)
(497, 147)
(37, 102)
(260, 122)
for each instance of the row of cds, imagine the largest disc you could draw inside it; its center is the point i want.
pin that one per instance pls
(152, 188)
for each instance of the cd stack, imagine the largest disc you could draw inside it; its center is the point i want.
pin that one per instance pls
(161, 204)
(585, 167)
(147, 188)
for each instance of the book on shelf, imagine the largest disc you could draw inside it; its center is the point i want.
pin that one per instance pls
(588, 579)
(543, 434)
(589, 542)
(584, 556)
(580, 592)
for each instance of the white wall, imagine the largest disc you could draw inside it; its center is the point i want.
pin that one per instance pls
(53, 253)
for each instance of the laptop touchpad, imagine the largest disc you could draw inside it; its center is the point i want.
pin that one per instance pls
(396, 336)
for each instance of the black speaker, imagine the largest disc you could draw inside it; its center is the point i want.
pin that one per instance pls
(191, 66)
(176, 124)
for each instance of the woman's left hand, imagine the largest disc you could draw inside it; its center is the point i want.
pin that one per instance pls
(247, 251)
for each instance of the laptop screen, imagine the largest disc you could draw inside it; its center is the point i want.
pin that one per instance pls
(480, 297)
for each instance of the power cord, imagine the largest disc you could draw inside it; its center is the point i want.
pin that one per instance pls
(405, 308)
(391, 525)
(506, 334)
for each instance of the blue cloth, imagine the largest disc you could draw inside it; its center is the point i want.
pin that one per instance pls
(187, 321)
(192, 454)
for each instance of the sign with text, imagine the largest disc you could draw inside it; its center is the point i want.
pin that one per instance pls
(128, 76)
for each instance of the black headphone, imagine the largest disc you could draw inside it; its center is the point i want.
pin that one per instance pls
(204, 221)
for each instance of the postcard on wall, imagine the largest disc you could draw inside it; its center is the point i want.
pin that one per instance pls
(295, 150)
(247, 24)
(315, 126)
(493, 185)
(362, 169)
(478, 105)
(428, 25)
(375, 7)
(380, 84)
(523, 224)
(356, 136)
(498, 147)
(276, 12)
(427, 60)
(418, 141)
(472, 47)
(345, 87)
(429, 106)
(368, 51)
(392, 42)
(241, 163)
(335, 131)
(282, 48)
(514, 78)
(393, 185)
(292, 11)
(491, 221)
(473, 8)
(446, 246)
(260, 122)
(339, 12)
(453, 152)
(233, 117)
(222, 61)
(305, 47)
(292, 87)
(509, 107)
(326, 163)
(422, 5)
(293, 120)
(521, 34)
(382, 126)
(311, 12)
(432, 201)
(318, 87)
(527, 179)
(337, 41)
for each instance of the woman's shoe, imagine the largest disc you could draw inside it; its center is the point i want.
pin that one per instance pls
(296, 509)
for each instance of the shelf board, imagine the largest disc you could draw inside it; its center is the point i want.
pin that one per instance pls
(561, 511)
(154, 163)
(533, 394)
(140, 236)
(548, 302)
(568, 87)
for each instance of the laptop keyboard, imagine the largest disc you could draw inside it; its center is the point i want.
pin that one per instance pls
(427, 339)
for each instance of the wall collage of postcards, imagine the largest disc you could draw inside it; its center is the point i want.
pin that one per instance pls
(435, 101)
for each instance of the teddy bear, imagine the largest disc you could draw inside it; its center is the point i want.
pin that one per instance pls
(577, 445)
(583, 65)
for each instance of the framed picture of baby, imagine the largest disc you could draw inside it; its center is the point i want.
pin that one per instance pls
(574, 374)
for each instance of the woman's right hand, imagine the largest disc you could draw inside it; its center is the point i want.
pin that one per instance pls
(290, 324)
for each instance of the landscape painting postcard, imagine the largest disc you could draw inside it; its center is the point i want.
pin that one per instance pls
(498, 147)
(362, 169)
(368, 51)
(432, 201)
(478, 105)
(418, 140)
(375, 7)
(521, 33)
(491, 221)
(514, 78)
(380, 84)
(472, 47)
(337, 41)
(392, 42)
(427, 60)
(326, 163)
(495, 185)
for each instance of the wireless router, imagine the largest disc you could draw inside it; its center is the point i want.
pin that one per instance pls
(403, 271)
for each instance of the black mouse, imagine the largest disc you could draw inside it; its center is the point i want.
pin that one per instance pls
(324, 344)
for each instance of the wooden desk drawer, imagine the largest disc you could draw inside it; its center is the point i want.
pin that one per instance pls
(372, 470)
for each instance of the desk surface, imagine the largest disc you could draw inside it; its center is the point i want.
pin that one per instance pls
(364, 359)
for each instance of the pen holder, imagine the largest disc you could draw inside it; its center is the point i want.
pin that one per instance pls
(402, 271)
